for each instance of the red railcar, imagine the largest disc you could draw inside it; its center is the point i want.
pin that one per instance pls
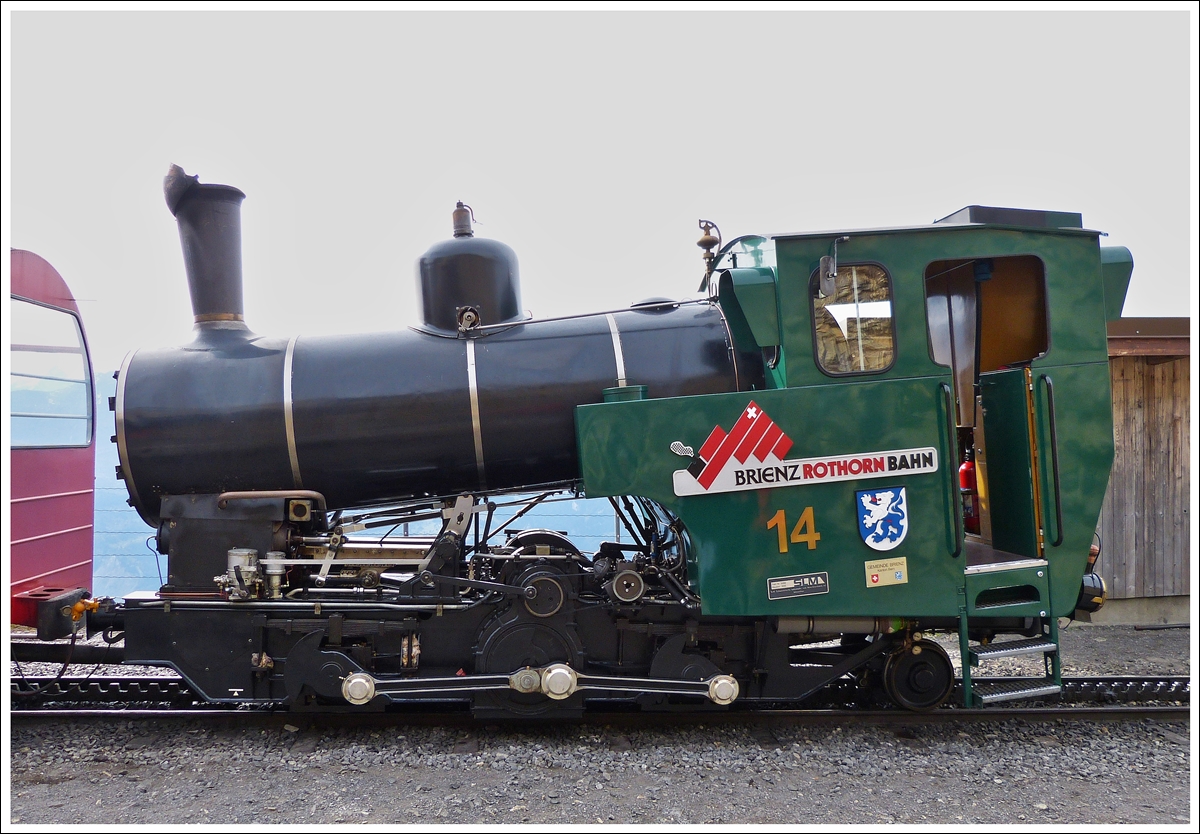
(53, 459)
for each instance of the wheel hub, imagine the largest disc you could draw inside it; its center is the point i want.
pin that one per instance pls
(920, 676)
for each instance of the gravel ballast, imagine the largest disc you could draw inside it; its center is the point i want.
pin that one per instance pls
(1010, 771)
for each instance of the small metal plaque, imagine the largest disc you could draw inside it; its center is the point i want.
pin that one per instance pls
(882, 572)
(800, 585)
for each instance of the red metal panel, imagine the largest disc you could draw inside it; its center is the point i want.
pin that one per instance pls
(41, 472)
(52, 489)
(35, 279)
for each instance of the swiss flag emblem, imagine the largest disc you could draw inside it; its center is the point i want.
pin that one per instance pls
(874, 579)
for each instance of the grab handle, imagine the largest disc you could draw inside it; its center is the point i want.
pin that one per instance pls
(1058, 525)
(952, 448)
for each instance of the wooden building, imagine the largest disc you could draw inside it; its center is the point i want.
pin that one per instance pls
(1146, 520)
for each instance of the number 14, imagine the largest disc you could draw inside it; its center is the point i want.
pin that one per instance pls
(804, 532)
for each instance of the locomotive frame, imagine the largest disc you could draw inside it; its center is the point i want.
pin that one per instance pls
(787, 472)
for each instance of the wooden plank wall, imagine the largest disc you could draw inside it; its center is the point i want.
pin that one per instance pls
(1145, 523)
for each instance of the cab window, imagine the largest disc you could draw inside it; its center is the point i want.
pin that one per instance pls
(853, 328)
(1004, 299)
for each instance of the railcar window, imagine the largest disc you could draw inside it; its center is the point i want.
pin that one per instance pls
(50, 378)
(854, 328)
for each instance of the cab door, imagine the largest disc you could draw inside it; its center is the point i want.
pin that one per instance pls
(987, 323)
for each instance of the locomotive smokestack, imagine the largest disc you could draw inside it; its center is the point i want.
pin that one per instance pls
(210, 231)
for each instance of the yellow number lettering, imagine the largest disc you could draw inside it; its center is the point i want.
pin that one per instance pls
(805, 531)
(780, 524)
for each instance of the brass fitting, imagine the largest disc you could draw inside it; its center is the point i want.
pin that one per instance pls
(78, 609)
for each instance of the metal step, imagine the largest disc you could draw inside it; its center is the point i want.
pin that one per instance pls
(1010, 603)
(1011, 648)
(1014, 564)
(991, 693)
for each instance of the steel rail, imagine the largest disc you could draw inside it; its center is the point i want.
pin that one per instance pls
(1115, 696)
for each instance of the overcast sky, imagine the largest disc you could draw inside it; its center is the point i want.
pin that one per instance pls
(589, 142)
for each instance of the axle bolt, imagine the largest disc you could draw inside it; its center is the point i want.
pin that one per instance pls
(723, 689)
(358, 688)
(559, 681)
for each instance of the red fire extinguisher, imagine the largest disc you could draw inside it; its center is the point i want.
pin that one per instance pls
(970, 493)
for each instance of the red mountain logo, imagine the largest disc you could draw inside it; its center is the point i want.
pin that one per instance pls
(754, 433)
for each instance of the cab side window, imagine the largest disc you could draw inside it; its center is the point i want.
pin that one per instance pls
(50, 378)
(854, 332)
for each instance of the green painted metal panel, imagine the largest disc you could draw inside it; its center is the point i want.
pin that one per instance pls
(1023, 592)
(1083, 407)
(625, 449)
(1075, 294)
(735, 318)
(1116, 264)
(1009, 471)
(753, 291)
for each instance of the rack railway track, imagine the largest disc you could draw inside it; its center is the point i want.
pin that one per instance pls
(1091, 698)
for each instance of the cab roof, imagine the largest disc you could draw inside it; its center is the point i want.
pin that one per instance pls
(1051, 222)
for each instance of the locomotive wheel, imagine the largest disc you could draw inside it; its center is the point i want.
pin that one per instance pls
(919, 677)
(515, 645)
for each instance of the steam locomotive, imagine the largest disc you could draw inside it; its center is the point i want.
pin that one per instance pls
(783, 453)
